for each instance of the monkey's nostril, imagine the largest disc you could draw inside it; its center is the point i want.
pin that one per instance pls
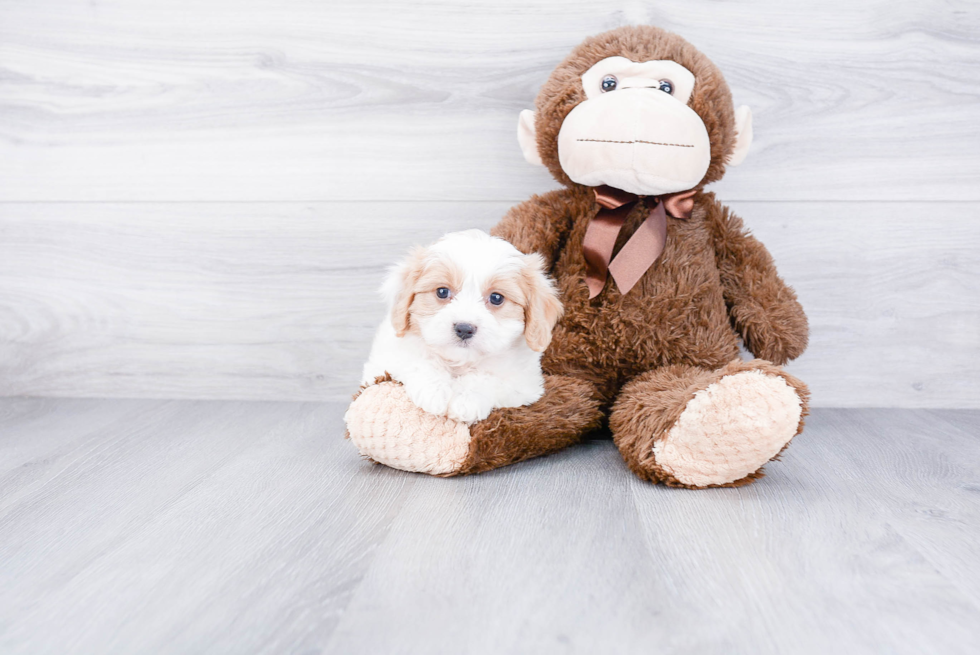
(464, 330)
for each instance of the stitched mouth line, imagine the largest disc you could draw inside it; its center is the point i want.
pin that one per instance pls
(651, 143)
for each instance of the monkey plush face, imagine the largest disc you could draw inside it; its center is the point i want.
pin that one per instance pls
(635, 131)
(638, 109)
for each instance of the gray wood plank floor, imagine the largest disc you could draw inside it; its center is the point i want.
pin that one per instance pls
(176, 526)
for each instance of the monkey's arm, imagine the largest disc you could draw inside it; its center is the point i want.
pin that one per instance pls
(538, 224)
(762, 308)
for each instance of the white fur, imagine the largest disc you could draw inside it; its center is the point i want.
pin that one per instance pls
(464, 380)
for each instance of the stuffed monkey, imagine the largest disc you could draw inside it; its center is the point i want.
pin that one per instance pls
(660, 282)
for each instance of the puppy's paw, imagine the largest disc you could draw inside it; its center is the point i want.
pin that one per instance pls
(470, 407)
(431, 397)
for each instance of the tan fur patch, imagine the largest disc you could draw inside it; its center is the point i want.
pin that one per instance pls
(513, 307)
(542, 309)
(435, 273)
(411, 271)
(440, 273)
(510, 310)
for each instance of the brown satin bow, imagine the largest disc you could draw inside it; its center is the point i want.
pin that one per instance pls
(642, 249)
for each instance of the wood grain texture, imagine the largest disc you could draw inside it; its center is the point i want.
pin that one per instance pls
(142, 136)
(405, 100)
(203, 504)
(921, 471)
(804, 586)
(253, 527)
(278, 300)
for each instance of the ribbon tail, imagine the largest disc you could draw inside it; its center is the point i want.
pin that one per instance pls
(641, 251)
(597, 246)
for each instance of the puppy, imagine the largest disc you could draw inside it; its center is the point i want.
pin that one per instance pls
(469, 318)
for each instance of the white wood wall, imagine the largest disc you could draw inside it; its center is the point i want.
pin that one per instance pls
(197, 199)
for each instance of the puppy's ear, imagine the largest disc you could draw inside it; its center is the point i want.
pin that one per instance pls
(399, 289)
(543, 309)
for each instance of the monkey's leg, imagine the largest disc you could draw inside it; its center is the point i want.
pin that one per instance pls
(689, 427)
(385, 426)
(567, 411)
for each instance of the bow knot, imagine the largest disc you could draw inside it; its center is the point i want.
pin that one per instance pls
(642, 249)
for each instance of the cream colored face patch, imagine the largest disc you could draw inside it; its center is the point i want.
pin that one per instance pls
(616, 166)
(438, 273)
(635, 131)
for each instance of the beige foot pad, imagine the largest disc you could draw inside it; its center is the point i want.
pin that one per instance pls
(387, 427)
(730, 429)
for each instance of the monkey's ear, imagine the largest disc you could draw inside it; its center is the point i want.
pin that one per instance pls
(527, 137)
(743, 135)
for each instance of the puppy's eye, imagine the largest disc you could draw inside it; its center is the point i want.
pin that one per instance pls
(609, 83)
(496, 298)
(667, 86)
(442, 293)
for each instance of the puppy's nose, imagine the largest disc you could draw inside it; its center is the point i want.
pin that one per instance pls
(464, 330)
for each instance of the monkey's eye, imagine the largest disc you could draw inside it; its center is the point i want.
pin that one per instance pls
(609, 83)
(442, 293)
(666, 86)
(496, 298)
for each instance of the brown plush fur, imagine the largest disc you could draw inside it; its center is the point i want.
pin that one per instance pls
(645, 354)
(568, 410)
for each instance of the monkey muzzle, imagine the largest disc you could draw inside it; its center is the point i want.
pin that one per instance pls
(640, 140)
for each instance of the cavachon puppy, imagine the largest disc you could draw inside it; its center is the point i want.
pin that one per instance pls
(469, 318)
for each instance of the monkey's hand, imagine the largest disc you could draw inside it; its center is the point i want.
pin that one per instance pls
(771, 322)
(763, 309)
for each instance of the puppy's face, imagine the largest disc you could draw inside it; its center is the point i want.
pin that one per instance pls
(470, 296)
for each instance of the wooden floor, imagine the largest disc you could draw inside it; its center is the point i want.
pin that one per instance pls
(137, 526)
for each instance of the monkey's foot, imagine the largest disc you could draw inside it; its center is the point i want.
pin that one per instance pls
(387, 427)
(690, 427)
(729, 429)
